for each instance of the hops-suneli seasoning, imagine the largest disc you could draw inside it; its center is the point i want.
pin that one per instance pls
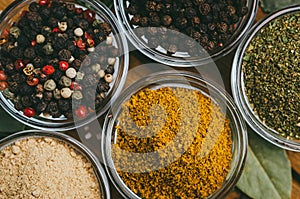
(172, 143)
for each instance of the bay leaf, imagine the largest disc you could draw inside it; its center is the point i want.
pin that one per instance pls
(267, 173)
(272, 5)
(8, 124)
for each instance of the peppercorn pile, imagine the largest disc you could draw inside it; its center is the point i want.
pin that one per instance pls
(272, 75)
(211, 23)
(168, 148)
(55, 58)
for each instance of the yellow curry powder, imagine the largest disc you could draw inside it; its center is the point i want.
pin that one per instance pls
(172, 143)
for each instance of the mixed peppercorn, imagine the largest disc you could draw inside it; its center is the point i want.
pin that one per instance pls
(57, 58)
(211, 23)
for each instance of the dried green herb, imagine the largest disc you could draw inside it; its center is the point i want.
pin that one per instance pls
(272, 75)
(272, 5)
(267, 173)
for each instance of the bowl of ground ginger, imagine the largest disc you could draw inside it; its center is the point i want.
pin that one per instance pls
(174, 135)
(40, 164)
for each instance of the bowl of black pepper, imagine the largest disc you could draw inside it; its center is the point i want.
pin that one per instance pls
(61, 62)
(174, 135)
(265, 78)
(185, 33)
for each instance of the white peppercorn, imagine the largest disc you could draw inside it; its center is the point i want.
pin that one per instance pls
(71, 73)
(109, 40)
(108, 78)
(15, 31)
(79, 76)
(63, 26)
(57, 94)
(78, 32)
(71, 59)
(96, 67)
(66, 92)
(111, 60)
(65, 81)
(101, 73)
(28, 70)
(91, 49)
(40, 39)
(77, 95)
(50, 85)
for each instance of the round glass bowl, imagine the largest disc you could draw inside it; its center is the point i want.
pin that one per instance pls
(169, 80)
(181, 58)
(70, 142)
(14, 12)
(239, 88)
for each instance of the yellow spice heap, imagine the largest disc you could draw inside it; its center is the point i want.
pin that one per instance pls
(172, 143)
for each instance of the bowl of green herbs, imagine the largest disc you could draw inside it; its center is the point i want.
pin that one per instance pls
(266, 75)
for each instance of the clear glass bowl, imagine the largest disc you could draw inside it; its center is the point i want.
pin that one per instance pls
(178, 80)
(14, 11)
(73, 143)
(183, 59)
(238, 90)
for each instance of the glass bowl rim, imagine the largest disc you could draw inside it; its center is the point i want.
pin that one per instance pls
(239, 95)
(240, 130)
(177, 61)
(49, 124)
(75, 144)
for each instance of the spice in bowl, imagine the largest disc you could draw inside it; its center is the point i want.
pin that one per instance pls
(53, 56)
(210, 23)
(44, 167)
(271, 75)
(172, 143)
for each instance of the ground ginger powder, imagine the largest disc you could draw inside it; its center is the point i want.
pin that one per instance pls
(45, 168)
(172, 143)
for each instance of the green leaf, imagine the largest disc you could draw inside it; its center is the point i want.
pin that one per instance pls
(272, 5)
(8, 124)
(267, 173)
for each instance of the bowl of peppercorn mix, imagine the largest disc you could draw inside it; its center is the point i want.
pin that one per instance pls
(43, 164)
(185, 33)
(61, 63)
(266, 75)
(174, 135)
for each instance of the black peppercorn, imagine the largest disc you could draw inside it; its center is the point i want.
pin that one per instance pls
(23, 40)
(181, 23)
(29, 53)
(26, 101)
(25, 89)
(34, 7)
(135, 19)
(35, 20)
(151, 5)
(59, 12)
(41, 107)
(222, 27)
(64, 105)
(204, 9)
(102, 87)
(48, 96)
(167, 20)
(144, 21)
(64, 54)
(52, 22)
(109, 70)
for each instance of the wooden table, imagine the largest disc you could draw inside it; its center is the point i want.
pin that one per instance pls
(224, 66)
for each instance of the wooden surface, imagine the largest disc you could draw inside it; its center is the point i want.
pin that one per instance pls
(224, 66)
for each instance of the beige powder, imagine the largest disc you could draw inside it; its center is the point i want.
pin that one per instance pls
(45, 168)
